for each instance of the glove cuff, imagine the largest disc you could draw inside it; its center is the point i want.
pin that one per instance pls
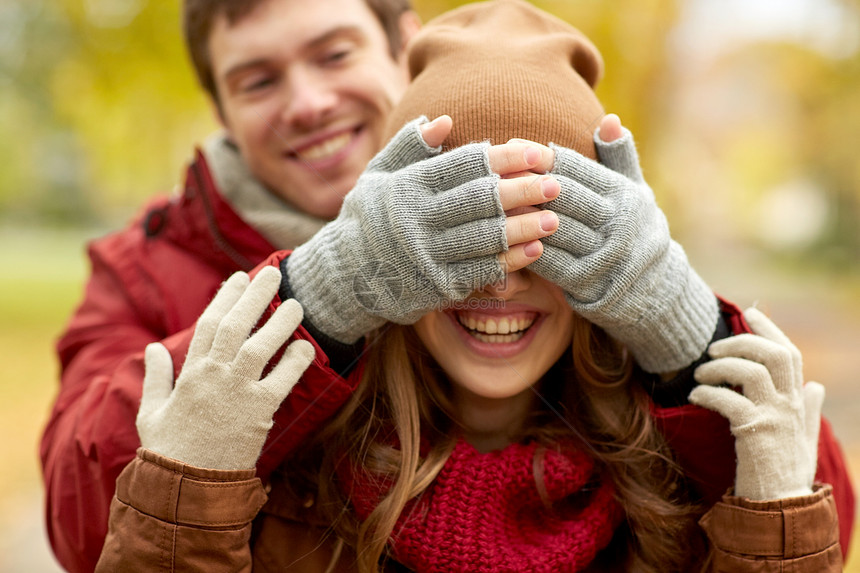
(342, 357)
(324, 279)
(675, 332)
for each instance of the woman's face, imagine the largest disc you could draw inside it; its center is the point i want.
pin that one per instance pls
(501, 340)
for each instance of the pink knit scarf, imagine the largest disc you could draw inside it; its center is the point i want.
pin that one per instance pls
(483, 513)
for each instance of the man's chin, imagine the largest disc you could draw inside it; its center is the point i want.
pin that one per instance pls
(322, 200)
(318, 192)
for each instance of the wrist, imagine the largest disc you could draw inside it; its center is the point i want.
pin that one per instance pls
(342, 357)
(673, 335)
(321, 276)
(673, 389)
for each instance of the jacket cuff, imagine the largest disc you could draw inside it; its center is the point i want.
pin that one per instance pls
(174, 492)
(802, 530)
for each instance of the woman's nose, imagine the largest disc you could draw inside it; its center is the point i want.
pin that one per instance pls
(511, 284)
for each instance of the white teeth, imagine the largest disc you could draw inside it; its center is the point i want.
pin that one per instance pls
(505, 329)
(325, 148)
(497, 338)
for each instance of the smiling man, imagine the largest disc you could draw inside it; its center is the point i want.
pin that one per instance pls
(306, 104)
(302, 90)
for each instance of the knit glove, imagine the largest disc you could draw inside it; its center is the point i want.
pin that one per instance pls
(619, 267)
(776, 420)
(418, 230)
(218, 414)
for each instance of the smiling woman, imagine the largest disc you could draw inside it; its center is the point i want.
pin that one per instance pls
(509, 418)
(499, 353)
(508, 401)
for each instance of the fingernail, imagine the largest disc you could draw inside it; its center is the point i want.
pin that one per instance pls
(549, 187)
(532, 249)
(531, 156)
(548, 221)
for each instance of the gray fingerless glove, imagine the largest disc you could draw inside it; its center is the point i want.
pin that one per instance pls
(419, 230)
(617, 263)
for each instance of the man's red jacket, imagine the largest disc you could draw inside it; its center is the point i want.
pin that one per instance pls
(151, 281)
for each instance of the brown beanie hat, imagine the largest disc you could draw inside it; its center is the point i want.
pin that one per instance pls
(504, 69)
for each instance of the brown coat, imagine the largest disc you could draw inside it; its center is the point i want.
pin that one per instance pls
(168, 516)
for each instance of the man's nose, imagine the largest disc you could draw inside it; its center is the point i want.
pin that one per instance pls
(309, 99)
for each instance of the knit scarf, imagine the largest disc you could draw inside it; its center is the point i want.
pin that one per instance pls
(280, 223)
(484, 514)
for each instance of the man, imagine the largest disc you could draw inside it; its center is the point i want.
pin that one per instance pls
(303, 91)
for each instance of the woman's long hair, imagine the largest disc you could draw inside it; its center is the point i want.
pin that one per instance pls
(590, 395)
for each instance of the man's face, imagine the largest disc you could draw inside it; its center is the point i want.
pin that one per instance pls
(305, 88)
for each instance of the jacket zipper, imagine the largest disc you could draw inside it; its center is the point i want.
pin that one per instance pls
(238, 259)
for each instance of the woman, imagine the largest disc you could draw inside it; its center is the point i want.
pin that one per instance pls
(508, 432)
(462, 450)
(513, 415)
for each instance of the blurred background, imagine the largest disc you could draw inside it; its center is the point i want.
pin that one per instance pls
(746, 113)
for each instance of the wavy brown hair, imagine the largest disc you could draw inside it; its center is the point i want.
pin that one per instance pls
(590, 395)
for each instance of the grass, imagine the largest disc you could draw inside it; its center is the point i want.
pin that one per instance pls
(41, 282)
(40, 285)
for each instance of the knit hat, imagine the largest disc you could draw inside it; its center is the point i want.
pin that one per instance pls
(504, 69)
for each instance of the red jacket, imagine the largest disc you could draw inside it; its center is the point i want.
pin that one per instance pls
(149, 283)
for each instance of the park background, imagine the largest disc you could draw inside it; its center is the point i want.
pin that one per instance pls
(746, 113)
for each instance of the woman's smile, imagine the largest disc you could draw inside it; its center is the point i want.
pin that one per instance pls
(502, 339)
(499, 333)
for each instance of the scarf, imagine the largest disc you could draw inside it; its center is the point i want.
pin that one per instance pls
(280, 223)
(484, 514)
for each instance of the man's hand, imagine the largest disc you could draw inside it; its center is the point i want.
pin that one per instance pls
(421, 229)
(777, 418)
(218, 414)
